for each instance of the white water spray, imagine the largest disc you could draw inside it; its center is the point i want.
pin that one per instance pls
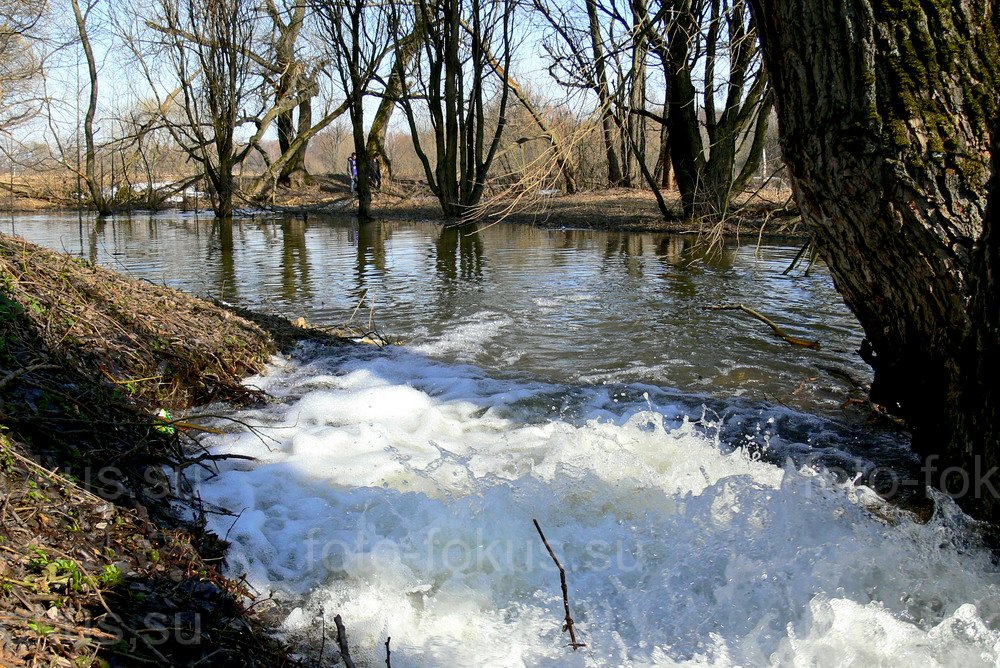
(399, 492)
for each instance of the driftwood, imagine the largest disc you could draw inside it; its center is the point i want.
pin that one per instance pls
(345, 654)
(793, 340)
(568, 626)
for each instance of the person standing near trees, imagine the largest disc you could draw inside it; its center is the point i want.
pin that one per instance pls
(352, 171)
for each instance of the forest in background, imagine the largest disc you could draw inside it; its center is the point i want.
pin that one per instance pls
(128, 105)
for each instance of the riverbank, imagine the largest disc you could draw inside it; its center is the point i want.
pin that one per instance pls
(767, 212)
(103, 559)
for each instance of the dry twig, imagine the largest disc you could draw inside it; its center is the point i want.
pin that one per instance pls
(568, 626)
(345, 653)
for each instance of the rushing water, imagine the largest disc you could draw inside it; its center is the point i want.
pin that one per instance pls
(695, 475)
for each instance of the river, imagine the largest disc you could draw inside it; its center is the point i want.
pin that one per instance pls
(696, 475)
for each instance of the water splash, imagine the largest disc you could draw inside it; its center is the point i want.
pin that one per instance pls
(399, 492)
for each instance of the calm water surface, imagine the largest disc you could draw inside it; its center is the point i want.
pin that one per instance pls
(569, 306)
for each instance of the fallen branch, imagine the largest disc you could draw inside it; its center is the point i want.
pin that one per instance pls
(345, 654)
(793, 340)
(568, 626)
(14, 375)
(798, 256)
(322, 618)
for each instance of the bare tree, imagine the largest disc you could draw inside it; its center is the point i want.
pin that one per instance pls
(450, 83)
(358, 30)
(295, 86)
(97, 195)
(700, 54)
(710, 34)
(206, 46)
(576, 46)
(20, 61)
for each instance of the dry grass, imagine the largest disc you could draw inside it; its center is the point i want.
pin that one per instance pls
(84, 582)
(152, 342)
(100, 561)
(766, 212)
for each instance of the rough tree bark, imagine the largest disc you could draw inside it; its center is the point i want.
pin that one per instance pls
(885, 113)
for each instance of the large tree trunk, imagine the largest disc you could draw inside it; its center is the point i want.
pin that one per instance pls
(294, 174)
(291, 84)
(409, 47)
(686, 149)
(980, 420)
(885, 112)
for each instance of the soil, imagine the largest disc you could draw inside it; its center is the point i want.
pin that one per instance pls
(104, 561)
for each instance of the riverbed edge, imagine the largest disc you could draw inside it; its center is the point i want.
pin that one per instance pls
(772, 218)
(103, 562)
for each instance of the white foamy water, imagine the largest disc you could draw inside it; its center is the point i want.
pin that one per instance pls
(467, 337)
(399, 492)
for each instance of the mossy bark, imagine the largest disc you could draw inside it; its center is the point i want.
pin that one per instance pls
(885, 112)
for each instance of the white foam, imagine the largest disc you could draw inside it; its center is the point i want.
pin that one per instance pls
(399, 493)
(467, 337)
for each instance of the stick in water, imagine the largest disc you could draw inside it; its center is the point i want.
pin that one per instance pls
(345, 654)
(565, 592)
(793, 340)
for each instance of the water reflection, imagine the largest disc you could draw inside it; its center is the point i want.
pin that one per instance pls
(96, 232)
(294, 260)
(221, 256)
(628, 249)
(370, 238)
(459, 254)
(579, 306)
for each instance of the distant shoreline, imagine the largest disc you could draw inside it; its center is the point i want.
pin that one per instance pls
(768, 215)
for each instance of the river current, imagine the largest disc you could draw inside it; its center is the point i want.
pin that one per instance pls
(696, 476)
